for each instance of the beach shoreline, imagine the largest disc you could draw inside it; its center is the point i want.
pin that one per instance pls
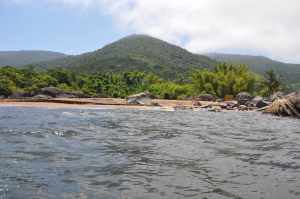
(93, 103)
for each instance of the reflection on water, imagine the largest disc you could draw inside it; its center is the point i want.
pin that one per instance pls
(114, 154)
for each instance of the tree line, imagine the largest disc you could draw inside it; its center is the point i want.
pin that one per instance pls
(221, 81)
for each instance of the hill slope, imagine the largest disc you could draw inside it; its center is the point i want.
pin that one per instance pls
(136, 52)
(289, 72)
(20, 58)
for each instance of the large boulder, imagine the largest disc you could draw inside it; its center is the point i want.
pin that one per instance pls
(259, 102)
(140, 99)
(244, 98)
(206, 97)
(51, 91)
(41, 97)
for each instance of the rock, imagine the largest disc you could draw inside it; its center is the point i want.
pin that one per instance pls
(51, 91)
(2, 97)
(197, 103)
(140, 99)
(215, 109)
(42, 97)
(182, 107)
(155, 104)
(244, 98)
(259, 102)
(206, 97)
(243, 108)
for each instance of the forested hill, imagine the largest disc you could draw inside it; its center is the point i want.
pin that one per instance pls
(289, 72)
(136, 52)
(20, 58)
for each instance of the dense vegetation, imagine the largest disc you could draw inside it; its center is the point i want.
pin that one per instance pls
(223, 80)
(20, 58)
(290, 73)
(136, 53)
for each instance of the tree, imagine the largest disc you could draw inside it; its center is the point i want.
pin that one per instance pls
(272, 82)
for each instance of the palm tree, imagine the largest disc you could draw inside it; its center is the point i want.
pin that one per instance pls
(272, 82)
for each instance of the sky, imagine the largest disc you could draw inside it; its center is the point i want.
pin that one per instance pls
(257, 27)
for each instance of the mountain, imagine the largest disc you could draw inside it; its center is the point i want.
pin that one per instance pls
(289, 72)
(136, 52)
(20, 58)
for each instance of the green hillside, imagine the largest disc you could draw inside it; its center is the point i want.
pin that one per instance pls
(289, 72)
(20, 58)
(138, 53)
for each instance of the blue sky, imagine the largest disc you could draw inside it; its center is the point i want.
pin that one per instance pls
(44, 26)
(269, 27)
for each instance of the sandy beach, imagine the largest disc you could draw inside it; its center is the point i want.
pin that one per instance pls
(92, 103)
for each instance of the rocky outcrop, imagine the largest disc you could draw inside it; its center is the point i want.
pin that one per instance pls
(140, 99)
(51, 91)
(206, 97)
(244, 98)
(258, 102)
(289, 105)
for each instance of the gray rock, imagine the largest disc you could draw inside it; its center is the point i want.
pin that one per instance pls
(206, 97)
(244, 98)
(259, 102)
(51, 91)
(140, 99)
(243, 108)
(42, 97)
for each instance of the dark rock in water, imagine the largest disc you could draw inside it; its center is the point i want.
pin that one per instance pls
(244, 98)
(276, 96)
(140, 99)
(51, 91)
(206, 97)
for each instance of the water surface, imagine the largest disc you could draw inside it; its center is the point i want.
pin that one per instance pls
(135, 154)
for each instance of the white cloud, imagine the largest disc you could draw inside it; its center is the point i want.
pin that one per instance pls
(270, 27)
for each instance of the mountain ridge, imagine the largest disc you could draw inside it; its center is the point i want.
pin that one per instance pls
(135, 52)
(24, 57)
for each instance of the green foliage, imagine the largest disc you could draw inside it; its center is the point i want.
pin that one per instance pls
(225, 80)
(135, 53)
(290, 73)
(272, 82)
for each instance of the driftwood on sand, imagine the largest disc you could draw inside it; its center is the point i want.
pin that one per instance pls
(287, 106)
